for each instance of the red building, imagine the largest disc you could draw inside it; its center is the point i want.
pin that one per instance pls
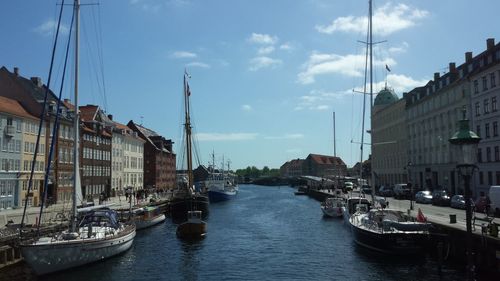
(159, 158)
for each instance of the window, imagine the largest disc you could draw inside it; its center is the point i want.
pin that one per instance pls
(495, 128)
(478, 109)
(497, 154)
(488, 154)
(481, 178)
(9, 121)
(492, 80)
(486, 108)
(19, 125)
(494, 104)
(479, 155)
(490, 178)
(485, 83)
(497, 175)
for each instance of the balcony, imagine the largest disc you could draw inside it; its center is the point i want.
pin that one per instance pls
(9, 130)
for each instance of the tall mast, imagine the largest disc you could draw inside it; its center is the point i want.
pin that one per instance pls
(187, 128)
(370, 42)
(334, 141)
(76, 117)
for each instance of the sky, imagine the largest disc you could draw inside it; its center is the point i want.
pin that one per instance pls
(266, 76)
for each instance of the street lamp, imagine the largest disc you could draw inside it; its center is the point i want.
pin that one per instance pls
(408, 166)
(467, 141)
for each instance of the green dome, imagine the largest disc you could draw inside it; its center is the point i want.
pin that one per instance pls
(385, 97)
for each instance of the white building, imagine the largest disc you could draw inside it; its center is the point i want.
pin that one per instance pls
(127, 159)
(485, 89)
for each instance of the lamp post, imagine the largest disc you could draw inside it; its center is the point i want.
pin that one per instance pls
(408, 166)
(467, 141)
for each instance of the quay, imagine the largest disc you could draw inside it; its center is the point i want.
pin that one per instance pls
(449, 229)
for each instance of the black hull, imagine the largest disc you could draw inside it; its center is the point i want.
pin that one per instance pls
(390, 243)
(180, 206)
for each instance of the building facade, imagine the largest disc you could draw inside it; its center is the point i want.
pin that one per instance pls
(485, 95)
(128, 159)
(389, 139)
(159, 159)
(324, 166)
(95, 153)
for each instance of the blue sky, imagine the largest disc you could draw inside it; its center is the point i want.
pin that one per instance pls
(266, 75)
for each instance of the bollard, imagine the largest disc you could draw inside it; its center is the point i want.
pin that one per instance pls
(453, 218)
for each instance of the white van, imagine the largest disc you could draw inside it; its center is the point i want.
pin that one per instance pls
(494, 195)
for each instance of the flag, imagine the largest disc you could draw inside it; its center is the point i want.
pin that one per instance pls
(387, 67)
(420, 216)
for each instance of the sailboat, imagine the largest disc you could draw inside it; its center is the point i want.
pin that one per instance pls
(187, 205)
(220, 185)
(384, 230)
(95, 234)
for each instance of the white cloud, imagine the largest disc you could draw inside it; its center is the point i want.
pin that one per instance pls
(182, 55)
(225, 136)
(348, 65)
(263, 62)
(246, 107)
(399, 49)
(285, 137)
(155, 5)
(263, 39)
(400, 83)
(387, 19)
(198, 64)
(265, 50)
(318, 100)
(49, 28)
(286, 47)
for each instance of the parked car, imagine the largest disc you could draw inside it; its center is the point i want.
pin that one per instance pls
(402, 191)
(386, 191)
(457, 202)
(441, 198)
(366, 189)
(481, 204)
(424, 197)
(348, 186)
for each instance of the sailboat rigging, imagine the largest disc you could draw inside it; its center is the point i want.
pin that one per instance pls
(94, 234)
(385, 230)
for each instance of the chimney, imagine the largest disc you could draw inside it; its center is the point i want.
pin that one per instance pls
(37, 81)
(16, 71)
(490, 43)
(436, 76)
(110, 116)
(452, 68)
(468, 56)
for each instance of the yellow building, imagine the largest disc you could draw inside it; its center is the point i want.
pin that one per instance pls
(30, 132)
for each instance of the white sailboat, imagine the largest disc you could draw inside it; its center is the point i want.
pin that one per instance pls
(93, 236)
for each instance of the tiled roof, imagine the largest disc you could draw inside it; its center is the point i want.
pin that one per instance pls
(88, 112)
(326, 160)
(13, 107)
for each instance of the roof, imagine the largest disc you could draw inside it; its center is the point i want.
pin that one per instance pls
(13, 107)
(88, 112)
(127, 129)
(326, 160)
(386, 96)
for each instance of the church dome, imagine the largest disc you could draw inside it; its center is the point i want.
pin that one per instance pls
(385, 97)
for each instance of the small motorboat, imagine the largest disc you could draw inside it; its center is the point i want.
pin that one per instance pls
(332, 207)
(193, 228)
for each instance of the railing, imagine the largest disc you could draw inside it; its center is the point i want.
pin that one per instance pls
(9, 130)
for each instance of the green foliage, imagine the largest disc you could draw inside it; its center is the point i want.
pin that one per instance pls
(253, 172)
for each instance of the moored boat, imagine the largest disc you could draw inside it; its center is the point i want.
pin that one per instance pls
(389, 231)
(147, 216)
(193, 228)
(333, 207)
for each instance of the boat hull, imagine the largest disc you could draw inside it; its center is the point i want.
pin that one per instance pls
(217, 196)
(53, 257)
(332, 212)
(180, 206)
(399, 243)
(191, 230)
(145, 223)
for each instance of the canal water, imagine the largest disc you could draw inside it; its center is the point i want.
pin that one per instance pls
(265, 233)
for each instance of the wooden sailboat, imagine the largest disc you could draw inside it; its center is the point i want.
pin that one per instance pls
(194, 227)
(95, 234)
